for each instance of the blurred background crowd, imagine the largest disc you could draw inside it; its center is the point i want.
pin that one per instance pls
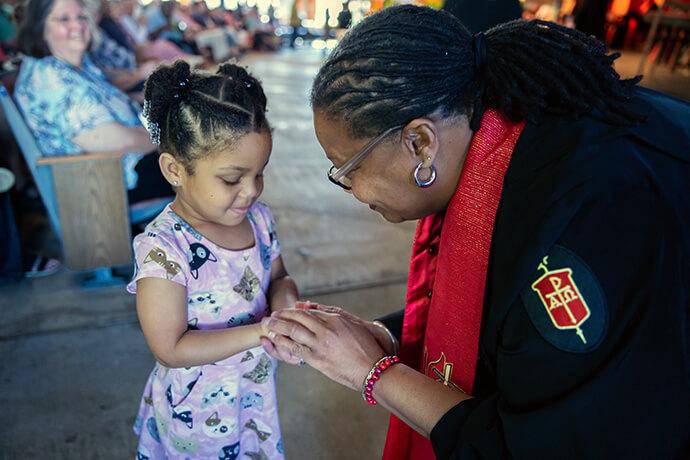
(130, 37)
(100, 52)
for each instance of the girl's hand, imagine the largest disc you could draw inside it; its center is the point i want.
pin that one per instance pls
(282, 353)
(279, 353)
(340, 346)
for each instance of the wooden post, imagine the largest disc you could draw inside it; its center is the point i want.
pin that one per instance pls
(93, 209)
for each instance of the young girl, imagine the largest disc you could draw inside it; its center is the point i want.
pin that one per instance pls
(207, 269)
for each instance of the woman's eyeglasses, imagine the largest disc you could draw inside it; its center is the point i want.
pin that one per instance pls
(82, 18)
(339, 176)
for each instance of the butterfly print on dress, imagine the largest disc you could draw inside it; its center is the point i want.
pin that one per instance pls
(251, 425)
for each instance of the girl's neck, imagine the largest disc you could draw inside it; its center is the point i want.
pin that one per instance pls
(236, 237)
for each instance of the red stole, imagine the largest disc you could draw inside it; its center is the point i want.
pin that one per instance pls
(445, 294)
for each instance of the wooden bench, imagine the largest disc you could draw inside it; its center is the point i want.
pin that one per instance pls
(85, 199)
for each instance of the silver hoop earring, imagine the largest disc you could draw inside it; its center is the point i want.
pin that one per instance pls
(429, 181)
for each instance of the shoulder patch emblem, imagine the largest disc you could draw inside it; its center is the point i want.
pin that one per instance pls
(566, 303)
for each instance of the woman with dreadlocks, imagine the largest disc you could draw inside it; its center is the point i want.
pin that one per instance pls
(547, 306)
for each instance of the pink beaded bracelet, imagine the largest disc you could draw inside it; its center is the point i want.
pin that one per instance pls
(374, 374)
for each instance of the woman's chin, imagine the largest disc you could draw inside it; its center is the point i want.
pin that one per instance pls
(392, 218)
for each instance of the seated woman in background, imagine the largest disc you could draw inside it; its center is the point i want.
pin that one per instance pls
(163, 22)
(118, 21)
(118, 63)
(67, 102)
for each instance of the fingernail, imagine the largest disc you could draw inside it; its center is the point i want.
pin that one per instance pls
(271, 335)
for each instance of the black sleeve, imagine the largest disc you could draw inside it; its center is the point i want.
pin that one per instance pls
(627, 398)
(394, 322)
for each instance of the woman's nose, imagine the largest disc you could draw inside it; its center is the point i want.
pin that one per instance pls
(76, 26)
(80, 22)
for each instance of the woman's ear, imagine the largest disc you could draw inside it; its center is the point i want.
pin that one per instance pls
(420, 137)
(172, 170)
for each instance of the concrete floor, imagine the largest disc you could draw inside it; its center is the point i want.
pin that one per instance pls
(658, 77)
(72, 394)
(74, 361)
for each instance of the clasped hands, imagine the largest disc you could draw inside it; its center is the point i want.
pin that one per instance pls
(333, 341)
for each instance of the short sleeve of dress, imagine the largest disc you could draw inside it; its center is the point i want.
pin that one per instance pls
(155, 257)
(264, 220)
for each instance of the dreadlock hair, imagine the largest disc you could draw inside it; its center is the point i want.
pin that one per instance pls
(407, 62)
(197, 114)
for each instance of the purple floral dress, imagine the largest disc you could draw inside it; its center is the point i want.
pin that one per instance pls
(225, 410)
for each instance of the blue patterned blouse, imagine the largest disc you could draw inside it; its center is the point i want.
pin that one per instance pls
(60, 102)
(109, 53)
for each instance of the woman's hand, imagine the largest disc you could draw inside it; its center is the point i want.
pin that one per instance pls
(343, 347)
(376, 330)
(334, 342)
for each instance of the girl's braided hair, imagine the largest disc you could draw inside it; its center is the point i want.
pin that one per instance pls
(196, 114)
(407, 62)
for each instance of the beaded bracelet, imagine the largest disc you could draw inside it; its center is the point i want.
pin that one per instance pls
(374, 374)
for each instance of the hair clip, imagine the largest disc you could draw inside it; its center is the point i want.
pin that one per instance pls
(248, 84)
(151, 127)
(155, 133)
(146, 109)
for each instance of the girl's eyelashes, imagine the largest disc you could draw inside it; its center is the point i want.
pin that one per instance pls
(237, 181)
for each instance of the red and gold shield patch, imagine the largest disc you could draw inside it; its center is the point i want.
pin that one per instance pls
(566, 303)
(562, 299)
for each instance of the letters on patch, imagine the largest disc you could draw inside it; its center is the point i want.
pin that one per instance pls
(566, 303)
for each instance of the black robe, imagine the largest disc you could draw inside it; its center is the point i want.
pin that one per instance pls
(616, 201)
